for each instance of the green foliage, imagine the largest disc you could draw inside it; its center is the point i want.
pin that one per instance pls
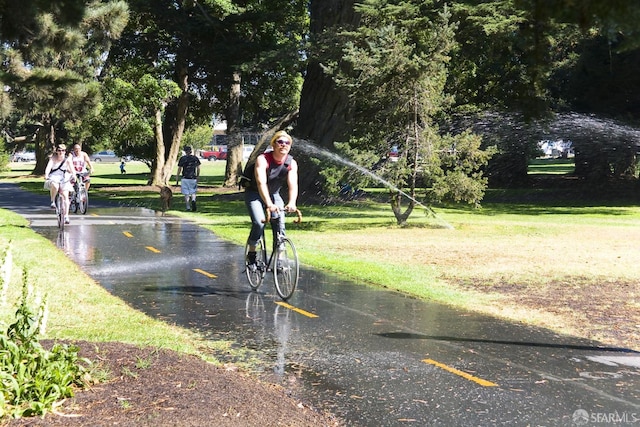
(126, 119)
(461, 178)
(50, 75)
(394, 68)
(198, 136)
(4, 159)
(33, 379)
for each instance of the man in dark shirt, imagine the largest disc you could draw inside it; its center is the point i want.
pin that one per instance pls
(273, 170)
(189, 171)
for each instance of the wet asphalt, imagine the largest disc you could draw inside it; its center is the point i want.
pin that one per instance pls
(372, 357)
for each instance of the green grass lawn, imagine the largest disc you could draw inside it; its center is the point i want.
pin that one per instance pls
(552, 166)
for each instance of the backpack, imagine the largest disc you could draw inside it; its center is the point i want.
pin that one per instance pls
(248, 176)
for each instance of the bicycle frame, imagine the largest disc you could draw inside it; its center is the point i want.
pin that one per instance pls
(80, 199)
(283, 261)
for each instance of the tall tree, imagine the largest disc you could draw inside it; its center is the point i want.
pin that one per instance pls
(130, 117)
(50, 74)
(221, 54)
(394, 69)
(324, 111)
(529, 58)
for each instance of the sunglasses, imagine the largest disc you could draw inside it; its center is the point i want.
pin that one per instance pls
(60, 151)
(283, 142)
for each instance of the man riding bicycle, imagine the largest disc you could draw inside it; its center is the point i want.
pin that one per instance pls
(81, 164)
(273, 169)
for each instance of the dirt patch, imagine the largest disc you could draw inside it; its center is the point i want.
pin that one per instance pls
(608, 313)
(155, 387)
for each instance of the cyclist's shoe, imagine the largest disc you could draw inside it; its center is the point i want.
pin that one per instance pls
(251, 259)
(53, 205)
(66, 220)
(193, 205)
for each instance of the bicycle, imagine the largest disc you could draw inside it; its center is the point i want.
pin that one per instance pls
(79, 200)
(283, 261)
(59, 204)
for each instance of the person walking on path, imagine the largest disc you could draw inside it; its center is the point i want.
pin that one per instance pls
(189, 171)
(273, 169)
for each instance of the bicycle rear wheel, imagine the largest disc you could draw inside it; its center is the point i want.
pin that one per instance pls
(256, 271)
(82, 199)
(287, 270)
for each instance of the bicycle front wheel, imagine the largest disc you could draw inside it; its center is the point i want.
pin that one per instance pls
(60, 211)
(82, 200)
(287, 270)
(255, 270)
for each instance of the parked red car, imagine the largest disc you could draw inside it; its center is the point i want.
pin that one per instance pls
(217, 152)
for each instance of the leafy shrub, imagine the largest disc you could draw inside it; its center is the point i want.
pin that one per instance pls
(33, 379)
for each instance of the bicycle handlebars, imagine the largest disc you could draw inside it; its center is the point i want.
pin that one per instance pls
(297, 212)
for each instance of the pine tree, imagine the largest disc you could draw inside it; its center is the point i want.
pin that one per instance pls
(51, 71)
(394, 70)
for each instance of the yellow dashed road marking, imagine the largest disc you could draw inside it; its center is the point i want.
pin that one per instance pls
(469, 377)
(205, 273)
(152, 249)
(126, 233)
(296, 309)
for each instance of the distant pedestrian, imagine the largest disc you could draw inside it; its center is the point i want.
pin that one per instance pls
(122, 169)
(189, 171)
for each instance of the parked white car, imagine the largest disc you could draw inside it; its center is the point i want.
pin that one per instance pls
(104, 156)
(24, 156)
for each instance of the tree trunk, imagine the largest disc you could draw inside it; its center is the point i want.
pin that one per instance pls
(179, 123)
(167, 155)
(234, 138)
(45, 143)
(160, 150)
(323, 109)
(41, 151)
(396, 206)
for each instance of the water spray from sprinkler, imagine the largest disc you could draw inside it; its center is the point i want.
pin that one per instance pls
(313, 149)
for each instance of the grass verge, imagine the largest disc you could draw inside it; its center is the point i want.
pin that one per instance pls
(79, 308)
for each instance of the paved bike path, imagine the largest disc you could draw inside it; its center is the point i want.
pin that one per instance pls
(371, 356)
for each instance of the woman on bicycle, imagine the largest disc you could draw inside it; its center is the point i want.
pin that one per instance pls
(57, 177)
(273, 169)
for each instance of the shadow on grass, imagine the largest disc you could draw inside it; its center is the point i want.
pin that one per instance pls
(137, 179)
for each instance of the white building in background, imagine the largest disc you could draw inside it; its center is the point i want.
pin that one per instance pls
(558, 148)
(220, 135)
